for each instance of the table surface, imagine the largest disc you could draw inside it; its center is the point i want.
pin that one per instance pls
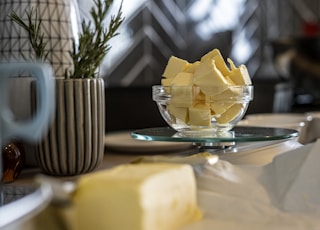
(110, 159)
(253, 153)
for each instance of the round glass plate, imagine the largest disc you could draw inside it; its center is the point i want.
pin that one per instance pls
(237, 134)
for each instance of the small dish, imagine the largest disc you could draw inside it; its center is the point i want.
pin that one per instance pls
(191, 110)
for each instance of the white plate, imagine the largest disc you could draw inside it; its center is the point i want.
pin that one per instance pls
(123, 142)
(313, 114)
(277, 120)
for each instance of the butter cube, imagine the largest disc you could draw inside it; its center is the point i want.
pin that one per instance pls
(231, 94)
(191, 67)
(183, 79)
(220, 63)
(181, 96)
(137, 196)
(199, 96)
(200, 115)
(230, 114)
(174, 66)
(219, 107)
(223, 101)
(209, 78)
(239, 75)
(166, 81)
(179, 112)
(231, 82)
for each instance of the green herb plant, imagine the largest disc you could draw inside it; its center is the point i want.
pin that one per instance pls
(91, 48)
(35, 35)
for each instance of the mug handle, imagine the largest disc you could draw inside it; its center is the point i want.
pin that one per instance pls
(35, 128)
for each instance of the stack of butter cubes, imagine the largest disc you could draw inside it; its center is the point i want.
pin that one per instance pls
(205, 89)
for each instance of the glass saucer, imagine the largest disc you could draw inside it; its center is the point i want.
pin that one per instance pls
(213, 140)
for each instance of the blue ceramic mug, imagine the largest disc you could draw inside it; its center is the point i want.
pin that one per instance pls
(35, 128)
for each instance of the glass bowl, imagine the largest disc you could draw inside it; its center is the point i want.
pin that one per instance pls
(192, 111)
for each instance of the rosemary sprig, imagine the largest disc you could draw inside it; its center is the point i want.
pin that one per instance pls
(34, 33)
(93, 40)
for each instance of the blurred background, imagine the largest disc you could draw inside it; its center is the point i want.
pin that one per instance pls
(276, 39)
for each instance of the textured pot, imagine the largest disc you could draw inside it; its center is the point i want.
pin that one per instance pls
(75, 141)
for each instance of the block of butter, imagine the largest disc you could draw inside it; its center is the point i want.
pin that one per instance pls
(210, 79)
(174, 66)
(157, 196)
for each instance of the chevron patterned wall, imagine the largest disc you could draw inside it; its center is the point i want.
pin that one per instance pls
(242, 29)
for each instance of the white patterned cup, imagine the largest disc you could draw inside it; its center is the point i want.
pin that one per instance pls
(60, 21)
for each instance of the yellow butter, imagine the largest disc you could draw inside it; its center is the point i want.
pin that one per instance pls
(217, 57)
(183, 79)
(174, 66)
(137, 197)
(210, 79)
(219, 107)
(231, 82)
(181, 96)
(230, 114)
(191, 68)
(166, 81)
(180, 113)
(200, 115)
(231, 94)
(208, 82)
(239, 75)
(223, 101)
(199, 96)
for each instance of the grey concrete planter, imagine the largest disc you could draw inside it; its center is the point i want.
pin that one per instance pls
(75, 142)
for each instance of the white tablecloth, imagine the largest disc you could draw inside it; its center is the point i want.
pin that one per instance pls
(249, 197)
